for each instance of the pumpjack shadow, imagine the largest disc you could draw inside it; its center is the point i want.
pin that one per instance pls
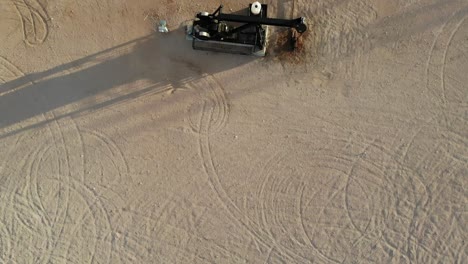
(153, 64)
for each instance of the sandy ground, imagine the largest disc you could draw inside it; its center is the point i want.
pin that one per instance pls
(122, 145)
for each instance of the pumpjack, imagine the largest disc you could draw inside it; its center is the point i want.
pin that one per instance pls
(237, 33)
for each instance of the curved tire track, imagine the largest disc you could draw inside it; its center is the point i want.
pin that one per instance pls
(213, 94)
(204, 130)
(33, 21)
(54, 204)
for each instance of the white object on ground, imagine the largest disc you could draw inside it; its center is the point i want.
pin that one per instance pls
(163, 26)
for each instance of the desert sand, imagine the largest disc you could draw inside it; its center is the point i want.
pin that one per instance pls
(119, 144)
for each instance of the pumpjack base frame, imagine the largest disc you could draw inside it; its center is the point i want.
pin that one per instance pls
(214, 32)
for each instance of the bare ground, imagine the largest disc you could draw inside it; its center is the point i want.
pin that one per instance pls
(121, 145)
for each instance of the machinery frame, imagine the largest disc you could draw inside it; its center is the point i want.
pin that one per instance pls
(239, 34)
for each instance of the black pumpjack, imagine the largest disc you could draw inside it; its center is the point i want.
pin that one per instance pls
(239, 34)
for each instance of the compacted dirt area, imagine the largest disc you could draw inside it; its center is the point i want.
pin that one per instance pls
(119, 144)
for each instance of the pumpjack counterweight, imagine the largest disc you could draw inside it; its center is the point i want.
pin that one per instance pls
(239, 34)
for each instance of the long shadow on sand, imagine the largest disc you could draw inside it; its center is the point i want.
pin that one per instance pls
(151, 64)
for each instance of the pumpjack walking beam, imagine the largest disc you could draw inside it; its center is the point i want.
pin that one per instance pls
(298, 23)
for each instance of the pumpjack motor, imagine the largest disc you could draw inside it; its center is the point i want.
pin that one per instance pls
(239, 33)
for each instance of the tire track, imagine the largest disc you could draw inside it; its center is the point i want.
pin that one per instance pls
(116, 157)
(32, 182)
(45, 208)
(437, 60)
(444, 60)
(432, 51)
(399, 191)
(62, 207)
(156, 220)
(213, 179)
(335, 189)
(270, 252)
(135, 246)
(33, 197)
(5, 198)
(9, 72)
(157, 223)
(33, 19)
(305, 234)
(403, 200)
(21, 213)
(25, 196)
(404, 173)
(92, 209)
(5, 243)
(74, 162)
(276, 166)
(95, 208)
(302, 177)
(266, 172)
(222, 104)
(447, 162)
(423, 204)
(214, 94)
(346, 192)
(426, 226)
